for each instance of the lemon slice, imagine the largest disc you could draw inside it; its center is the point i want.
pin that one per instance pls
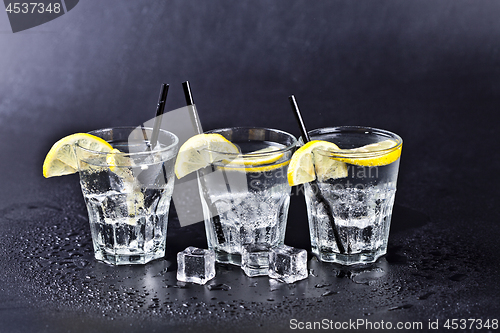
(332, 166)
(201, 150)
(375, 154)
(253, 162)
(242, 168)
(114, 160)
(301, 169)
(255, 158)
(135, 205)
(61, 159)
(121, 165)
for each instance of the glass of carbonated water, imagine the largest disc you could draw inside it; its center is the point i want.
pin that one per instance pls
(246, 196)
(354, 208)
(127, 193)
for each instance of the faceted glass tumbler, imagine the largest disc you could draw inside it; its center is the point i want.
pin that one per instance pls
(127, 193)
(350, 216)
(246, 196)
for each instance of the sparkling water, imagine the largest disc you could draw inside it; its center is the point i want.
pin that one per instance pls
(361, 207)
(128, 209)
(246, 206)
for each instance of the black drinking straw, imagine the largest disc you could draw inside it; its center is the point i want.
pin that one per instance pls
(187, 93)
(213, 210)
(314, 183)
(189, 101)
(160, 108)
(153, 140)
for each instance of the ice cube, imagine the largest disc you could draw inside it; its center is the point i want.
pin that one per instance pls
(222, 206)
(195, 265)
(288, 264)
(250, 211)
(255, 259)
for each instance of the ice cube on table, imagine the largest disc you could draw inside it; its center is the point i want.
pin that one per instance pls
(255, 259)
(288, 264)
(195, 265)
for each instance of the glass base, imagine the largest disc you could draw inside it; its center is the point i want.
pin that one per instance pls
(255, 271)
(349, 259)
(128, 259)
(228, 258)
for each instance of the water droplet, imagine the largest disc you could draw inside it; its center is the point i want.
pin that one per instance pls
(218, 286)
(329, 293)
(425, 296)
(405, 306)
(180, 285)
(457, 277)
(312, 273)
(368, 277)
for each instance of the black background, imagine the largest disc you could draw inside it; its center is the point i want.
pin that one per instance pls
(427, 70)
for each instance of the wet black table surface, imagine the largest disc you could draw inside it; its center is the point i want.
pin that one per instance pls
(428, 72)
(437, 268)
(441, 264)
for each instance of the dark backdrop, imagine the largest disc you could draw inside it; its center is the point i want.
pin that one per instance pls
(402, 66)
(428, 70)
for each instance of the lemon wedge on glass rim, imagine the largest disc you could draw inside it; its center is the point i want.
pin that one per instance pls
(305, 165)
(374, 154)
(200, 151)
(257, 161)
(258, 157)
(203, 149)
(301, 169)
(61, 158)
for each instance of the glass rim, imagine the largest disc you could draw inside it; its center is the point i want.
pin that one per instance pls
(254, 155)
(358, 129)
(160, 150)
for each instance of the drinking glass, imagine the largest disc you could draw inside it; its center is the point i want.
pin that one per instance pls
(246, 196)
(349, 217)
(127, 193)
